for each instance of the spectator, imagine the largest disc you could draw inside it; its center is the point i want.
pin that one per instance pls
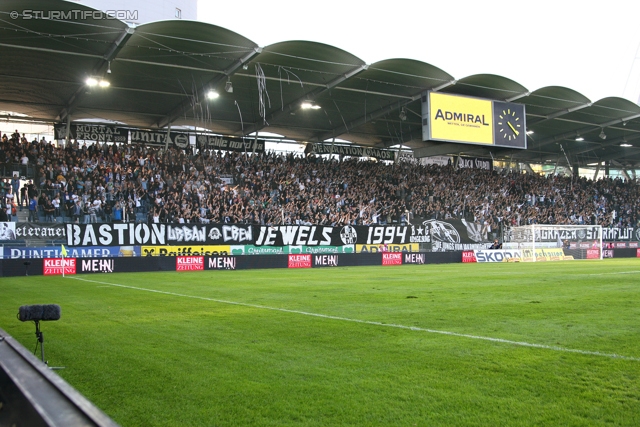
(33, 209)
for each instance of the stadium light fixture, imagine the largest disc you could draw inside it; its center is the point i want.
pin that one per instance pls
(212, 94)
(97, 81)
(626, 144)
(228, 87)
(403, 114)
(529, 132)
(308, 105)
(602, 135)
(579, 138)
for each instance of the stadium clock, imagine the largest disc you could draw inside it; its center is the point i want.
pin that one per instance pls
(509, 125)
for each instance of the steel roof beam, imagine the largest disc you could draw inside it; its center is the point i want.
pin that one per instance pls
(186, 105)
(311, 96)
(116, 47)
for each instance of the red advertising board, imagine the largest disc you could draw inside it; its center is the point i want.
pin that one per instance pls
(392, 258)
(189, 263)
(468, 256)
(593, 254)
(300, 261)
(637, 253)
(55, 266)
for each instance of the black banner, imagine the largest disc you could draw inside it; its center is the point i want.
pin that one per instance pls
(29, 230)
(92, 132)
(349, 150)
(627, 234)
(436, 235)
(210, 234)
(211, 142)
(449, 235)
(118, 234)
(474, 163)
(158, 138)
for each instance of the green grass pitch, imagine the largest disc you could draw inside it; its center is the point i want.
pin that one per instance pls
(517, 344)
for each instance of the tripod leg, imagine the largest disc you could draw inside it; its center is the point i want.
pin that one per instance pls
(40, 338)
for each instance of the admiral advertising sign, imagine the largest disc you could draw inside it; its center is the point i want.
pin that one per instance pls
(463, 119)
(58, 266)
(189, 263)
(372, 249)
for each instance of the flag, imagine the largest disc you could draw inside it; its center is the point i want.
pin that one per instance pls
(63, 251)
(559, 241)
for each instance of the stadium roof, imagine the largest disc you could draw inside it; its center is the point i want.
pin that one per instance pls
(160, 72)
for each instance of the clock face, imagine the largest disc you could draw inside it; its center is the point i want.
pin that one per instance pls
(510, 125)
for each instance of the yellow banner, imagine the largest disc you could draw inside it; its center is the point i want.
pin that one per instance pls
(460, 119)
(184, 250)
(369, 249)
(543, 254)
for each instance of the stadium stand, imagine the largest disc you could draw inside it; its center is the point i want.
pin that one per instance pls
(133, 183)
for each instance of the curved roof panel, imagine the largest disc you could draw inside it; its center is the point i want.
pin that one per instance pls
(161, 72)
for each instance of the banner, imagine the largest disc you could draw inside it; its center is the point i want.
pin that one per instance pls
(474, 163)
(373, 249)
(81, 252)
(449, 235)
(30, 230)
(526, 255)
(319, 148)
(212, 142)
(184, 250)
(209, 234)
(58, 266)
(189, 263)
(285, 250)
(177, 139)
(92, 132)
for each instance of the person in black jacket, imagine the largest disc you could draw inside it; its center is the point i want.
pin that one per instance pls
(496, 245)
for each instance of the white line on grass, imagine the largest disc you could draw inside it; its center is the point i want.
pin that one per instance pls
(611, 273)
(370, 322)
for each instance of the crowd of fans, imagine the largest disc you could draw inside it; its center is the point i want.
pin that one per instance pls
(108, 182)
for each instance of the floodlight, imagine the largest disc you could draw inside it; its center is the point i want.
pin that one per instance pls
(212, 94)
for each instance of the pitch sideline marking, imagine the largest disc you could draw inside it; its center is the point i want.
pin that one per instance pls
(374, 323)
(610, 273)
